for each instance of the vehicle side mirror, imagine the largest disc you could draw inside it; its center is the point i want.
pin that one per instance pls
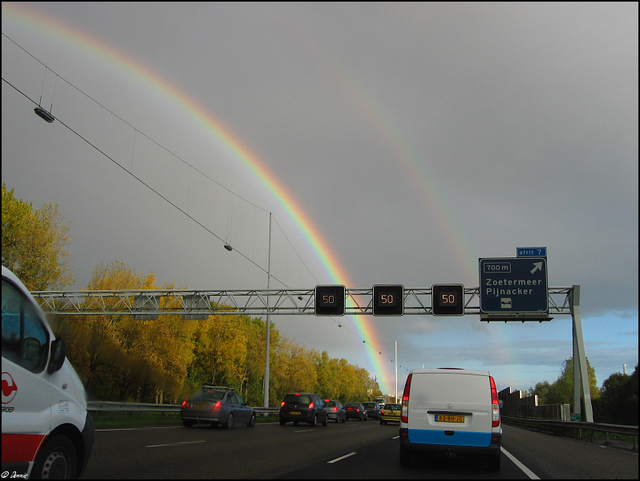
(58, 353)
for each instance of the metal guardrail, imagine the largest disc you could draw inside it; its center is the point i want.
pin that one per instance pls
(132, 407)
(159, 408)
(564, 426)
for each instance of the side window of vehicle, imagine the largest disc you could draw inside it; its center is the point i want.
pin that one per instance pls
(239, 399)
(25, 341)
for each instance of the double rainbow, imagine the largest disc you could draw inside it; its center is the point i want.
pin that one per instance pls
(50, 28)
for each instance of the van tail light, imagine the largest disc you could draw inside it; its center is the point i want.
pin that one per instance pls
(495, 404)
(404, 415)
(310, 405)
(282, 404)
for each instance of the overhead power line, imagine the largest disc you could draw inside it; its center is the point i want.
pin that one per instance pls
(358, 334)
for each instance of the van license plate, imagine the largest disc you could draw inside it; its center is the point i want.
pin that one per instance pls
(295, 413)
(441, 418)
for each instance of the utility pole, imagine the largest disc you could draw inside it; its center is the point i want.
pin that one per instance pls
(396, 355)
(266, 366)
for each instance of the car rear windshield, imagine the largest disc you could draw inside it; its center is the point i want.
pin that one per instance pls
(352, 405)
(393, 407)
(369, 405)
(209, 395)
(297, 398)
(330, 404)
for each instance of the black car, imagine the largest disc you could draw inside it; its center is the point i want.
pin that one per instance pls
(372, 410)
(216, 405)
(335, 411)
(303, 407)
(356, 411)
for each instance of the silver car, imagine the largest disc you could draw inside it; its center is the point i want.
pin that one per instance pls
(335, 411)
(217, 405)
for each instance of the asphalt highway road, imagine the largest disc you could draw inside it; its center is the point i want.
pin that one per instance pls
(353, 450)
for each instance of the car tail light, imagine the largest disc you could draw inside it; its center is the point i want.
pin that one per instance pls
(217, 405)
(310, 405)
(404, 414)
(335, 409)
(184, 404)
(495, 420)
(282, 404)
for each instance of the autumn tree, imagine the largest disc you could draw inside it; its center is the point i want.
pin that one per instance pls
(33, 243)
(561, 391)
(122, 358)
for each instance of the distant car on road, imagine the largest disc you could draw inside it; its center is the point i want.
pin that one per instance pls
(356, 411)
(372, 410)
(216, 405)
(390, 413)
(335, 411)
(303, 407)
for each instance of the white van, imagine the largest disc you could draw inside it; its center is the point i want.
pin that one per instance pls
(46, 429)
(450, 411)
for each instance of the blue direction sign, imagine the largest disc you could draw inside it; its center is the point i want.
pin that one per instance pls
(531, 252)
(513, 284)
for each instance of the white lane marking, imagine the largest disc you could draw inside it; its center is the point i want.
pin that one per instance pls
(304, 431)
(515, 461)
(175, 444)
(341, 458)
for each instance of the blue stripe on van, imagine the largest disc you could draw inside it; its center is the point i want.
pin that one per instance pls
(459, 438)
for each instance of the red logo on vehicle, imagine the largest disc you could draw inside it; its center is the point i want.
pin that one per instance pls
(9, 388)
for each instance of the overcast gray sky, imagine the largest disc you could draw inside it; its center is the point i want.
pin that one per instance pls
(392, 143)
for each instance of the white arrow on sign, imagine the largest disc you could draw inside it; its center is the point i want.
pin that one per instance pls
(537, 266)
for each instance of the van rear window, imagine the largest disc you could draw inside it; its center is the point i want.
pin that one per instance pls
(453, 387)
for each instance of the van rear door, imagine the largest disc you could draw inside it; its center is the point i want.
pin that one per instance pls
(450, 408)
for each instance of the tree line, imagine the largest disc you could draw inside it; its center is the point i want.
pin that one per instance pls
(164, 360)
(616, 402)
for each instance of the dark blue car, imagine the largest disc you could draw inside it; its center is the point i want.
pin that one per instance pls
(373, 412)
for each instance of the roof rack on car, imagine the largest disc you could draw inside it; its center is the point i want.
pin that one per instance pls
(211, 386)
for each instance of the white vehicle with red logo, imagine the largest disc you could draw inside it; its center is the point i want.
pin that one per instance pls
(46, 429)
